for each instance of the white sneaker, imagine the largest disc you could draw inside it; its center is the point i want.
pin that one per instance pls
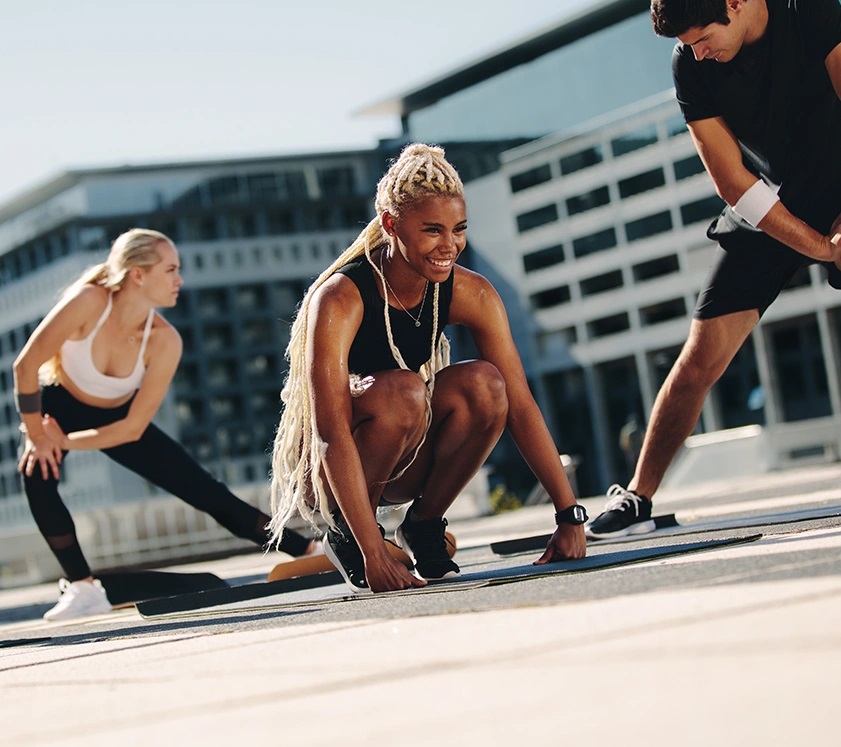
(79, 598)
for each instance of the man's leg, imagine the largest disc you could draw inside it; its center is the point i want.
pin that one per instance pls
(711, 345)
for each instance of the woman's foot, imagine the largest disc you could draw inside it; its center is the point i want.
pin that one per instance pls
(79, 599)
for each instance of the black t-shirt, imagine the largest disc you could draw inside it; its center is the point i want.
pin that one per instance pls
(776, 97)
(370, 350)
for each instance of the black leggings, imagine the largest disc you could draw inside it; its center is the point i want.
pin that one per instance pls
(155, 457)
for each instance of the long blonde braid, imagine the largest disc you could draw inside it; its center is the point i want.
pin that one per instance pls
(297, 486)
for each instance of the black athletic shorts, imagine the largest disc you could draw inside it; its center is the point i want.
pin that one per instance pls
(750, 268)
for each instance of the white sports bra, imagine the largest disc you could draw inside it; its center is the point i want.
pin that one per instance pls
(77, 363)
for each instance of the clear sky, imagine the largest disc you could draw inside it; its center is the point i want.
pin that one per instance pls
(111, 82)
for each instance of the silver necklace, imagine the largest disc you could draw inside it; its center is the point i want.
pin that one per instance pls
(415, 319)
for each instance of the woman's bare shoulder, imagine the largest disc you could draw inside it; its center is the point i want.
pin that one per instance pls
(337, 290)
(164, 336)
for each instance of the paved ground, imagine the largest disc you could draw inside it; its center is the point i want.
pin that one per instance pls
(737, 645)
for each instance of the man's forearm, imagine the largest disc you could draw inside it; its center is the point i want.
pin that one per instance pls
(786, 228)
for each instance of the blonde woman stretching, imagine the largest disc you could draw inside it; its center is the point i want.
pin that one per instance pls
(375, 414)
(108, 358)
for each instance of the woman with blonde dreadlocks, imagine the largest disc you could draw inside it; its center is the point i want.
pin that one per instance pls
(375, 414)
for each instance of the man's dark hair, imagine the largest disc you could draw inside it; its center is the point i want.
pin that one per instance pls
(672, 18)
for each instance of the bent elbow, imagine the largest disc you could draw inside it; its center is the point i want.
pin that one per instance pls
(133, 432)
(727, 192)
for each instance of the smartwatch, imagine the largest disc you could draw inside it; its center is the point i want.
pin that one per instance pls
(575, 514)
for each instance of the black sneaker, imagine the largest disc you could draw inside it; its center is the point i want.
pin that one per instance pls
(425, 542)
(342, 551)
(625, 513)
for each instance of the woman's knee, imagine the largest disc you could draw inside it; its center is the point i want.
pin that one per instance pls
(482, 392)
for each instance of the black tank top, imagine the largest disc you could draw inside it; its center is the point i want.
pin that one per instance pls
(370, 350)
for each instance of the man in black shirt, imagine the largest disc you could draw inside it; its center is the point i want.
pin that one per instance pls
(759, 85)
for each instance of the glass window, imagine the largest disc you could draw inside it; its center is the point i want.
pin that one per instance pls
(353, 216)
(587, 201)
(601, 283)
(655, 268)
(292, 184)
(224, 189)
(558, 339)
(258, 366)
(687, 167)
(280, 221)
(640, 183)
(676, 125)
(318, 218)
(608, 325)
(262, 187)
(539, 217)
(635, 140)
(264, 402)
(551, 255)
(703, 209)
(206, 229)
(800, 369)
(218, 337)
(336, 181)
(92, 238)
(648, 226)
(258, 332)
(581, 160)
(530, 178)
(187, 376)
(594, 242)
(552, 297)
(241, 226)
(663, 311)
(189, 411)
(212, 301)
(225, 408)
(251, 296)
(738, 394)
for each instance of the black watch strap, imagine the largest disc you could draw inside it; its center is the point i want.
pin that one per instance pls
(575, 514)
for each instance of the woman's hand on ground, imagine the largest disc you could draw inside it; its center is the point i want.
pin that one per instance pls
(384, 573)
(567, 543)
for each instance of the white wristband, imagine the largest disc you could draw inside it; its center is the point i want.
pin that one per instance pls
(756, 202)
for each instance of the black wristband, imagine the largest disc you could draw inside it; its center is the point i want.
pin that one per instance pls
(575, 514)
(27, 404)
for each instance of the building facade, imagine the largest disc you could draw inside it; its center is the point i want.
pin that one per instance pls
(587, 206)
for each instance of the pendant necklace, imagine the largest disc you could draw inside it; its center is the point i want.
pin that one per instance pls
(415, 319)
